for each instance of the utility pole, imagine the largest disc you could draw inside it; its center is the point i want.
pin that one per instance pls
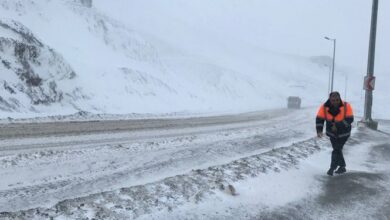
(334, 57)
(346, 84)
(369, 81)
(329, 80)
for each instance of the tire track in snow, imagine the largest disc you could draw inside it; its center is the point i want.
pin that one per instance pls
(168, 193)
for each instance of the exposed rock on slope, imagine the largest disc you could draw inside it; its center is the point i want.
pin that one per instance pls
(31, 73)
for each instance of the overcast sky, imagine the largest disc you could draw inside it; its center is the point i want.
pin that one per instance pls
(294, 27)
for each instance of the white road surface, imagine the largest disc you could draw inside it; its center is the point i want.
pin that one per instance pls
(138, 169)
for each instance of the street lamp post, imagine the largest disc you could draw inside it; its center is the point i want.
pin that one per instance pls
(369, 81)
(334, 57)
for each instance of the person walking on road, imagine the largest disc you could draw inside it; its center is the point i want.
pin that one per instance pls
(339, 117)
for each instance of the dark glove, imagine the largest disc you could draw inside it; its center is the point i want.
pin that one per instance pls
(346, 124)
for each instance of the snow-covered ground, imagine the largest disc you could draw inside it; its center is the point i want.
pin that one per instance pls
(115, 160)
(274, 163)
(147, 110)
(304, 191)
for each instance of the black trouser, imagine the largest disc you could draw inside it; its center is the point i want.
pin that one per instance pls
(337, 153)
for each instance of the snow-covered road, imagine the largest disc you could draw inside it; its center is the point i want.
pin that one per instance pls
(180, 169)
(41, 171)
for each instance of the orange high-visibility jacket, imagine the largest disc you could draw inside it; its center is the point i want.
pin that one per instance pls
(342, 120)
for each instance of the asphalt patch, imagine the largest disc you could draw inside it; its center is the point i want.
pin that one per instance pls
(380, 153)
(353, 195)
(351, 186)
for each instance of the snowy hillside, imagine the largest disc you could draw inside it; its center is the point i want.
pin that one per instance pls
(33, 74)
(128, 57)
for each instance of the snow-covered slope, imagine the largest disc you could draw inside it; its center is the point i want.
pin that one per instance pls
(116, 66)
(32, 73)
(138, 57)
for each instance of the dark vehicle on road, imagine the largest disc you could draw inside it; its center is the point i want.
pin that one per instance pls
(294, 102)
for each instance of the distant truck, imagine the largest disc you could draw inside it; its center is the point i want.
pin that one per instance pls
(294, 102)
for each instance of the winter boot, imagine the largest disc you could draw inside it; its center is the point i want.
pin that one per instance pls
(330, 171)
(341, 170)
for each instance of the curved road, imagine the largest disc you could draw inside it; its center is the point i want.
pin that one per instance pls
(43, 163)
